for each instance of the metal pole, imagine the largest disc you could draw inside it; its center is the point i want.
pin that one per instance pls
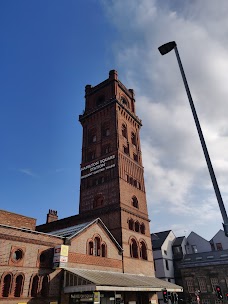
(205, 151)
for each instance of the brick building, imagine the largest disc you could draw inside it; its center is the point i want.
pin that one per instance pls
(109, 255)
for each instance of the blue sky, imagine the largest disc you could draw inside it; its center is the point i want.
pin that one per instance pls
(51, 49)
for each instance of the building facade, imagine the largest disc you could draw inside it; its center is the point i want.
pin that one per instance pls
(104, 253)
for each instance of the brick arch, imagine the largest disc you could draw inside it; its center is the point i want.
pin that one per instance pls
(18, 284)
(103, 250)
(34, 286)
(6, 284)
(97, 244)
(89, 246)
(131, 223)
(134, 247)
(143, 249)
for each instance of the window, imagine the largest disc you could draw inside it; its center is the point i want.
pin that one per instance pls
(131, 224)
(7, 282)
(106, 149)
(92, 137)
(91, 155)
(133, 139)
(124, 130)
(98, 201)
(214, 283)
(17, 255)
(176, 249)
(45, 286)
(103, 250)
(126, 149)
(202, 284)
(135, 157)
(90, 249)
(143, 250)
(35, 285)
(135, 202)
(106, 132)
(100, 100)
(18, 285)
(124, 101)
(167, 264)
(134, 249)
(137, 225)
(97, 246)
(194, 249)
(135, 183)
(142, 228)
(190, 285)
(165, 252)
(219, 246)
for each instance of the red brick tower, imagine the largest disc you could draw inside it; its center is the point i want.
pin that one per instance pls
(112, 175)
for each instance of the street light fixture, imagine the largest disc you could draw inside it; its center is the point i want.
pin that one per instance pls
(164, 49)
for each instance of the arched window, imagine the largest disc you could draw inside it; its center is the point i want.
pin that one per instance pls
(143, 250)
(35, 285)
(98, 201)
(131, 224)
(97, 246)
(45, 286)
(103, 250)
(7, 282)
(135, 202)
(137, 226)
(142, 228)
(18, 285)
(124, 101)
(90, 249)
(124, 130)
(133, 138)
(134, 249)
(100, 100)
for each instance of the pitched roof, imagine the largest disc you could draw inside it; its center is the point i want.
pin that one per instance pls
(178, 241)
(101, 280)
(158, 239)
(72, 231)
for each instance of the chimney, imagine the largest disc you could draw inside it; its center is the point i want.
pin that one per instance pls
(52, 216)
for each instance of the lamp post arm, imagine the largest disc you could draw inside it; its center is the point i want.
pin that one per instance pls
(205, 151)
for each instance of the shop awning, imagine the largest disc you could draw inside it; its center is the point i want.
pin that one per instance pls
(79, 280)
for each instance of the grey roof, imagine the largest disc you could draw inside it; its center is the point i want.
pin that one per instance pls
(205, 259)
(70, 232)
(105, 280)
(178, 241)
(158, 239)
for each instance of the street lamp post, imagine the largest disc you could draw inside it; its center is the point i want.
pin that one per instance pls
(164, 49)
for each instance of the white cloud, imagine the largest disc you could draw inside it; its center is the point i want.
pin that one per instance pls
(177, 180)
(28, 172)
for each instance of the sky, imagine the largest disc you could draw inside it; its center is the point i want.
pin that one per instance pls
(50, 50)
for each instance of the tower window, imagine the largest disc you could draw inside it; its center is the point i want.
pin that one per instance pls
(106, 149)
(126, 150)
(137, 226)
(133, 139)
(135, 202)
(91, 155)
(136, 158)
(134, 249)
(131, 224)
(124, 101)
(92, 137)
(98, 201)
(142, 228)
(124, 130)
(100, 100)
(143, 250)
(35, 285)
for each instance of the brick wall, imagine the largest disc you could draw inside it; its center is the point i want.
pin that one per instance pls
(17, 220)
